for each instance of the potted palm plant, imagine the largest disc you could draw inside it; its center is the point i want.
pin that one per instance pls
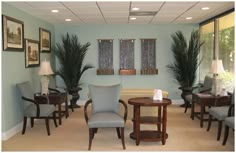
(186, 60)
(70, 54)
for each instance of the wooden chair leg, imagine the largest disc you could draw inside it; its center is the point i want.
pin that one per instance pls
(219, 129)
(209, 122)
(47, 125)
(32, 122)
(122, 137)
(54, 119)
(91, 135)
(24, 125)
(226, 135)
(186, 107)
(118, 132)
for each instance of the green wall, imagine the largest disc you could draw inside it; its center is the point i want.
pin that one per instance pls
(162, 33)
(14, 71)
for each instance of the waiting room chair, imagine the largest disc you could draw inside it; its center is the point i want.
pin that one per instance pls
(200, 88)
(229, 123)
(219, 112)
(105, 111)
(34, 110)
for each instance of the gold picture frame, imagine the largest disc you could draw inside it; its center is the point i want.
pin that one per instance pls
(13, 34)
(45, 40)
(32, 54)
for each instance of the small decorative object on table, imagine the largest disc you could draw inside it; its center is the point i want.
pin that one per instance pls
(157, 94)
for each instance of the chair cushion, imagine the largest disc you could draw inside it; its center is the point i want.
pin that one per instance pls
(105, 119)
(219, 112)
(229, 121)
(45, 110)
(189, 98)
(105, 98)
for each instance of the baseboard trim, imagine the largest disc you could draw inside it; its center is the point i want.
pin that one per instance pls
(177, 101)
(13, 131)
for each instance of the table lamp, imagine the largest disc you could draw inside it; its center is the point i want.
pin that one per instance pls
(216, 68)
(45, 71)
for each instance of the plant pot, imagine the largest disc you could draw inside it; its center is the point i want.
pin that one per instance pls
(75, 96)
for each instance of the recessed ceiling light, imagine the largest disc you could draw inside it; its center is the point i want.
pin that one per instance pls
(67, 20)
(132, 18)
(188, 18)
(54, 11)
(205, 8)
(135, 9)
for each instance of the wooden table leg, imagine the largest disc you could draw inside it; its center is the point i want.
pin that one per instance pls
(164, 125)
(66, 107)
(192, 109)
(59, 112)
(159, 119)
(137, 124)
(201, 116)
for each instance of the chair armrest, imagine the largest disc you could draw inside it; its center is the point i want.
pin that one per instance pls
(85, 109)
(206, 90)
(54, 90)
(34, 102)
(231, 110)
(126, 108)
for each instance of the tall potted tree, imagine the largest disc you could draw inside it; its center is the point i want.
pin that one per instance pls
(186, 60)
(70, 54)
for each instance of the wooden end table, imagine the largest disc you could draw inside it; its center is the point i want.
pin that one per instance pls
(205, 100)
(159, 120)
(55, 99)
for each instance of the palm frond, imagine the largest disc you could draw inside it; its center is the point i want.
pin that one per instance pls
(70, 54)
(186, 58)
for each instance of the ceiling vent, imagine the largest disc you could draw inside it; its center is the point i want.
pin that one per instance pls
(143, 13)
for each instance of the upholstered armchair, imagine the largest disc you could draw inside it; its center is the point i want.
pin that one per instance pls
(219, 112)
(34, 110)
(200, 88)
(229, 122)
(105, 111)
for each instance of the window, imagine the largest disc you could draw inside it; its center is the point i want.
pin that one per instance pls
(207, 49)
(225, 30)
(226, 49)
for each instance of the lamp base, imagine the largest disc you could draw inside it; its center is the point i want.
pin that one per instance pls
(44, 85)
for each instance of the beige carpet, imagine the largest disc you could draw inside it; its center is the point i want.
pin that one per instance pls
(184, 135)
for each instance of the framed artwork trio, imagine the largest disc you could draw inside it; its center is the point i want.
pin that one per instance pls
(13, 40)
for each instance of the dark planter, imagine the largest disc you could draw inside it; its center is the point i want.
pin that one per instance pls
(185, 91)
(74, 92)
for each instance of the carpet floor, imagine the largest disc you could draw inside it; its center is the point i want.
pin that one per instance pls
(184, 134)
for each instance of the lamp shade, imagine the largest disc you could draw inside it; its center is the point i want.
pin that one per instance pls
(217, 67)
(45, 68)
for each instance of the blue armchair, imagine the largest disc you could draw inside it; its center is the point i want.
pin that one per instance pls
(105, 111)
(34, 110)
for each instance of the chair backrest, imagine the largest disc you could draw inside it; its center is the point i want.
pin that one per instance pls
(207, 84)
(233, 96)
(26, 91)
(105, 98)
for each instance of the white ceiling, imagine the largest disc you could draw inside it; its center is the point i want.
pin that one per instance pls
(108, 12)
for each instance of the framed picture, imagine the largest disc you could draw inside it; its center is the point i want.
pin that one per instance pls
(13, 34)
(32, 54)
(45, 40)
